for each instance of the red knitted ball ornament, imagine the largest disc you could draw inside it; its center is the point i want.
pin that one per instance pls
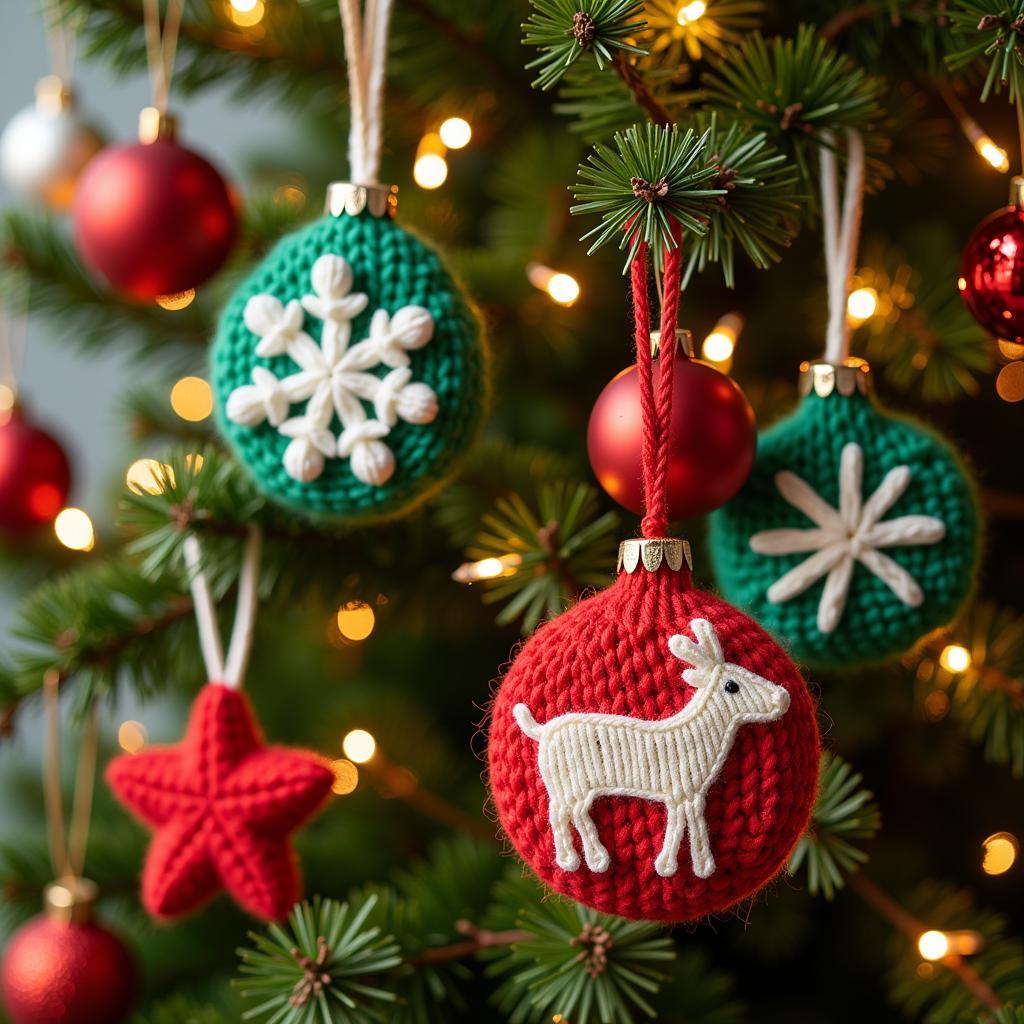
(624, 652)
(222, 806)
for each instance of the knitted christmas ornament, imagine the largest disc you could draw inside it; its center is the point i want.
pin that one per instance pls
(652, 752)
(856, 533)
(222, 806)
(349, 368)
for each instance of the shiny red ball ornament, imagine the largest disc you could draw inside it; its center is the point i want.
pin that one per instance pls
(712, 447)
(35, 476)
(59, 970)
(153, 219)
(992, 274)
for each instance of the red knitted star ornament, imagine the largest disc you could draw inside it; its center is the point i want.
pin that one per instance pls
(222, 805)
(619, 798)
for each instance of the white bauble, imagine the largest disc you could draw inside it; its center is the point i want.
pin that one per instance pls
(45, 147)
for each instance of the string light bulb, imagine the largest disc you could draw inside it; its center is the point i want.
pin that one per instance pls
(192, 399)
(933, 945)
(359, 746)
(346, 777)
(955, 658)
(487, 569)
(131, 736)
(246, 13)
(431, 169)
(355, 620)
(994, 155)
(561, 287)
(455, 132)
(147, 476)
(937, 945)
(74, 529)
(718, 347)
(999, 852)
(177, 300)
(862, 304)
(691, 12)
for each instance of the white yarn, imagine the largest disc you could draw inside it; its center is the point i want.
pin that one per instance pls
(366, 43)
(840, 237)
(332, 376)
(672, 760)
(852, 533)
(232, 671)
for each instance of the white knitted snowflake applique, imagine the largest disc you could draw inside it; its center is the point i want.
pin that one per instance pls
(332, 377)
(840, 537)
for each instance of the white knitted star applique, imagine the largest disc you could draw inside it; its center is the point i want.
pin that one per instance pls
(840, 537)
(332, 376)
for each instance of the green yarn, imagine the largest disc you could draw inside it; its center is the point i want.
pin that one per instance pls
(395, 269)
(876, 625)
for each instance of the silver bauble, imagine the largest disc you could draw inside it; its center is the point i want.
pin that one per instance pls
(45, 147)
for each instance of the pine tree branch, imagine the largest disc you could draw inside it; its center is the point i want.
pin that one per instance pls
(479, 939)
(634, 82)
(904, 921)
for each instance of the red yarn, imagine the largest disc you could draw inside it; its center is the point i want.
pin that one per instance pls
(222, 805)
(656, 404)
(609, 654)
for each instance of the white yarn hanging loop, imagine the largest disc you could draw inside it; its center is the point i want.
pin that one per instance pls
(366, 45)
(231, 671)
(841, 233)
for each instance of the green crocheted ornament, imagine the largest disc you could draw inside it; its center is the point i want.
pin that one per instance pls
(856, 534)
(349, 370)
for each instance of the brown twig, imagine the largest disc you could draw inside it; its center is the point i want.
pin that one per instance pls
(634, 82)
(904, 921)
(842, 20)
(479, 938)
(399, 782)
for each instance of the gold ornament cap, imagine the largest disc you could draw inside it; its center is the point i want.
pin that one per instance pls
(1017, 191)
(343, 198)
(684, 340)
(652, 553)
(824, 378)
(53, 96)
(156, 124)
(71, 900)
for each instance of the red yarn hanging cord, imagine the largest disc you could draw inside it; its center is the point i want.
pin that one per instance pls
(656, 403)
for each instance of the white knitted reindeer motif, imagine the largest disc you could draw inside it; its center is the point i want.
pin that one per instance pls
(673, 760)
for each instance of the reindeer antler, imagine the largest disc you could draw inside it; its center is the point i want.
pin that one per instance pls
(704, 655)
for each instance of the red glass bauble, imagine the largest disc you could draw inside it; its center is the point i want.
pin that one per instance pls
(992, 274)
(35, 476)
(712, 447)
(59, 973)
(612, 669)
(153, 219)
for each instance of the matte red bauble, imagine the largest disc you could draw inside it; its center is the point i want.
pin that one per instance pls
(35, 476)
(653, 753)
(56, 971)
(712, 446)
(153, 219)
(992, 274)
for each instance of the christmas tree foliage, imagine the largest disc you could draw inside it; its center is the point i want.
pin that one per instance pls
(541, 147)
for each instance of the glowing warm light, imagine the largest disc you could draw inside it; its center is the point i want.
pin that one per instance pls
(1000, 852)
(487, 569)
(289, 195)
(246, 13)
(933, 945)
(178, 300)
(961, 283)
(955, 658)
(73, 528)
(147, 476)
(430, 171)
(359, 746)
(355, 620)
(994, 154)
(192, 399)
(1010, 382)
(455, 132)
(346, 776)
(562, 287)
(7, 398)
(936, 705)
(691, 12)
(718, 347)
(862, 304)
(131, 736)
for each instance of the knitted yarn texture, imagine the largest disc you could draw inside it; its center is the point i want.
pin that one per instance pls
(388, 416)
(222, 805)
(856, 534)
(619, 670)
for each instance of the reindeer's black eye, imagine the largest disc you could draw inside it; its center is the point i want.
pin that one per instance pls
(732, 686)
